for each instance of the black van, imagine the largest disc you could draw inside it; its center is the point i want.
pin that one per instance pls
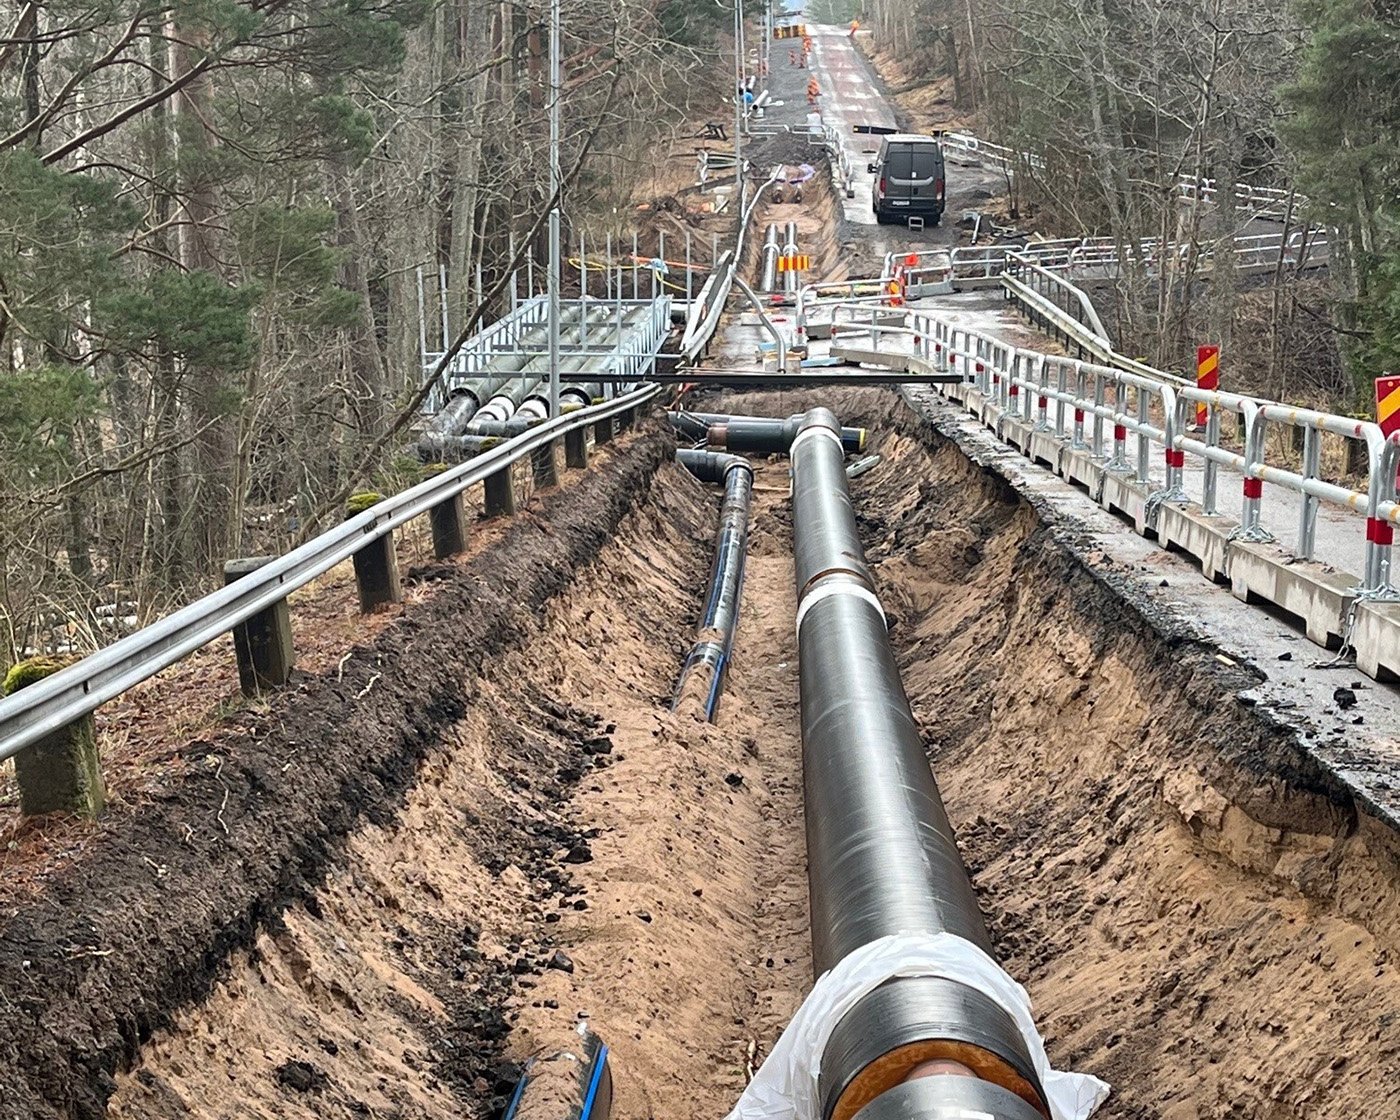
(908, 179)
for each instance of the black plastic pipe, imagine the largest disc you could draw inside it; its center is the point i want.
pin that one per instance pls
(706, 664)
(881, 855)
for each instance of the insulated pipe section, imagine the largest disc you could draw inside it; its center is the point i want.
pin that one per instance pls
(753, 435)
(769, 278)
(947, 1098)
(455, 449)
(503, 429)
(503, 405)
(881, 854)
(536, 404)
(791, 277)
(706, 664)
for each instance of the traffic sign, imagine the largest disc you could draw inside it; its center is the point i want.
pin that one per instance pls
(1207, 377)
(1388, 404)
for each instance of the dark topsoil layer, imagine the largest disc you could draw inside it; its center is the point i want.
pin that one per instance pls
(103, 956)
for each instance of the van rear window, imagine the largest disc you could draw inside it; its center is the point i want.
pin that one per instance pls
(911, 162)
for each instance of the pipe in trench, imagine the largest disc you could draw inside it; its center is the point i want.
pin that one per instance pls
(791, 277)
(769, 276)
(703, 671)
(881, 854)
(753, 435)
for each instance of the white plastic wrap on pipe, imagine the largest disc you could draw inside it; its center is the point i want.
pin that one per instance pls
(785, 1087)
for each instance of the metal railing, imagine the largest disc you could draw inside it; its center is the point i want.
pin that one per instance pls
(1263, 202)
(81, 688)
(1100, 407)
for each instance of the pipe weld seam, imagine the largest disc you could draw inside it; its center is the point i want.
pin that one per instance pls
(810, 433)
(826, 591)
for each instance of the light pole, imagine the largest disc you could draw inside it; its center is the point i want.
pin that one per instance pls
(738, 100)
(555, 250)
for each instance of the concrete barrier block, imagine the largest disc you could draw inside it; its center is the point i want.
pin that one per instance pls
(1376, 638)
(1302, 588)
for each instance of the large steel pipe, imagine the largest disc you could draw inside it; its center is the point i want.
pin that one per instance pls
(769, 280)
(881, 855)
(752, 435)
(791, 277)
(947, 1098)
(703, 672)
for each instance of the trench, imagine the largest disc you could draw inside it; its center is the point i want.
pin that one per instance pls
(1201, 915)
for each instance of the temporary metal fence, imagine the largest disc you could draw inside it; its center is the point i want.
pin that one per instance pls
(71, 693)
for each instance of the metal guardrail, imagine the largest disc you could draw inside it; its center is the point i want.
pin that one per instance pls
(81, 688)
(1264, 202)
(1102, 258)
(708, 306)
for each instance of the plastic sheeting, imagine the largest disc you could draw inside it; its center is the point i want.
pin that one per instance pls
(785, 1088)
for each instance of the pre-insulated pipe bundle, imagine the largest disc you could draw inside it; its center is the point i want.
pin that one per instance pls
(881, 855)
(705, 666)
(791, 278)
(752, 435)
(769, 279)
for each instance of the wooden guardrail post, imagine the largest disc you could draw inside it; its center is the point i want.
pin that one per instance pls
(60, 773)
(448, 521)
(545, 469)
(602, 431)
(263, 644)
(376, 566)
(576, 448)
(500, 492)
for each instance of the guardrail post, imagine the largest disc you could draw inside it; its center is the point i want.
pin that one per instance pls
(1307, 510)
(602, 431)
(576, 448)
(448, 522)
(263, 644)
(60, 773)
(376, 566)
(1144, 445)
(545, 470)
(500, 492)
(1211, 474)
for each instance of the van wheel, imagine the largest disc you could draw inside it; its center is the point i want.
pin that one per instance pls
(881, 219)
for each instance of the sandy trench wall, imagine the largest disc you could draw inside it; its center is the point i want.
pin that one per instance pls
(96, 962)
